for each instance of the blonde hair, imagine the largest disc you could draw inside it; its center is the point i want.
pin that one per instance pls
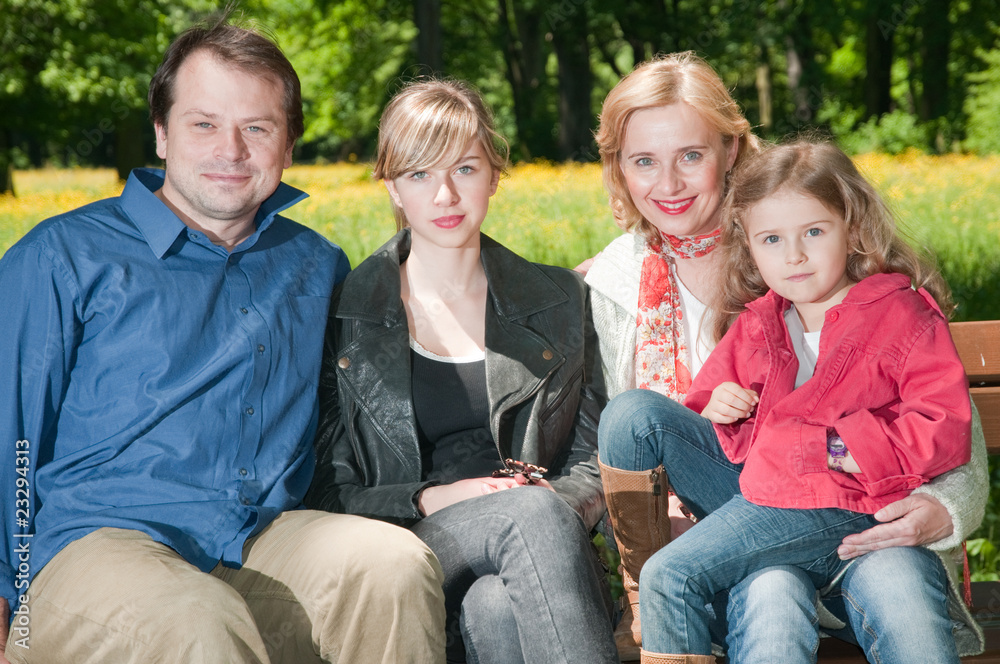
(821, 170)
(662, 81)
(431, 122)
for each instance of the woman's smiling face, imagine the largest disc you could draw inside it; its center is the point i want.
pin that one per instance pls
(675, 167)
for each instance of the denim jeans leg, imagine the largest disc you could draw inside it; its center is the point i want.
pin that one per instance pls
(641, 429)
(536, 544)
(489, 629)
(771, 616)
(895, 602)
(725, 548)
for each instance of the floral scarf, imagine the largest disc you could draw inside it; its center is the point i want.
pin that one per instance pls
(661, 353)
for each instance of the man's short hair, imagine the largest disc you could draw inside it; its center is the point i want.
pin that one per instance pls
(243, 48)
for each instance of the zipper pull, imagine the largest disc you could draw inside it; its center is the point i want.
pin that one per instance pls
(654, 479)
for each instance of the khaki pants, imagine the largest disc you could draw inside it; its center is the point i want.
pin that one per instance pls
(314, 587)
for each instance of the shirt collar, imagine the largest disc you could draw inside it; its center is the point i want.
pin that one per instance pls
(160, 226)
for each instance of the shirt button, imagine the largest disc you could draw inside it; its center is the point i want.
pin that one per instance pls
(243, 472)
(245, 501)
(834, 316)
(260, 348)
(244, 310)
(344, 362)
(250, 411)
(547, 354)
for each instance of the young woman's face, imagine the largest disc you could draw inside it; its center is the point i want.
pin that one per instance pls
(800, 247)
(675, 167)
(446, 204)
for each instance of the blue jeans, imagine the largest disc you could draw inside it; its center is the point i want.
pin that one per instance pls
(771, 613)
(522, 580)
(893, 601)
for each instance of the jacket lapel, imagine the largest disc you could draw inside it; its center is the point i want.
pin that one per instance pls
(519, 360)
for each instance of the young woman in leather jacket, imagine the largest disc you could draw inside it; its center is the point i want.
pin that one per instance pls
(449, 360)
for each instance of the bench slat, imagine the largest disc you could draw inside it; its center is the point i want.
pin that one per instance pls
(988, 404)
(978, 344)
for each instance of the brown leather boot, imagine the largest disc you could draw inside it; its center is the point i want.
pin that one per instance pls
(657, 658)
(637, 505)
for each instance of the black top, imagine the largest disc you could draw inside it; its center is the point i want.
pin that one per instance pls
(452, 413)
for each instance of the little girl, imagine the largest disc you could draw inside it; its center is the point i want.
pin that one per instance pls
(836, 391)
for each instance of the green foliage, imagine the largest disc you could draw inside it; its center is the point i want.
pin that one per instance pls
(892, 133)
(347, 54)
(984, 554)
(72, 71)
(982, 104)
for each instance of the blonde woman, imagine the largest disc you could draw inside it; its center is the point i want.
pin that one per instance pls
(670, 134)
(450, 360)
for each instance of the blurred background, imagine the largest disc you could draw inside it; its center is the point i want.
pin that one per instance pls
(880, 75)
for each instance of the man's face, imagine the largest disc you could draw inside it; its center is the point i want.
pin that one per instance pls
(225, 144)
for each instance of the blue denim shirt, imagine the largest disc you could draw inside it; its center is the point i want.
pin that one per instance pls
(153, 381)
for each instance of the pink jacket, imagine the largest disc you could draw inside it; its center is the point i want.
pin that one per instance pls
(888, 379)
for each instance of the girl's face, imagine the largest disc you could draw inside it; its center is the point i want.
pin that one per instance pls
(446, 204)
(800, 247)
(675, 167)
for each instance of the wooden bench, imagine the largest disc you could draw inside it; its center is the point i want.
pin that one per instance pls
(979, 346)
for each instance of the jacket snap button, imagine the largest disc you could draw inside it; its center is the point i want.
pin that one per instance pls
(547, 354)
(344, 363)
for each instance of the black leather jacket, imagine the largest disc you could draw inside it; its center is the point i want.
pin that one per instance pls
(543, 375)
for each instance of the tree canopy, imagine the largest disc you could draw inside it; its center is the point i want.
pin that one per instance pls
(877, 74)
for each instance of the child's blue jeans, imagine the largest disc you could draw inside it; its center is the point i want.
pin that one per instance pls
(733, 539)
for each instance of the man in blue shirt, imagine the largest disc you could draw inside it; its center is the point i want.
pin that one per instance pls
(159, 358)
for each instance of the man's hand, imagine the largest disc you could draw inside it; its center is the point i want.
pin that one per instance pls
(4, 628)
(435, 498)
(729, 403)
(914, 520)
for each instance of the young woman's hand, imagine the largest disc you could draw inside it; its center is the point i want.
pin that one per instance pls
(729, 403)
(523, 481)
(434, 498)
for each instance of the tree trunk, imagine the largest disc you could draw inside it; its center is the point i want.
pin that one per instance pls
(936, 32)
(6, 167)
(878, 59)
(804, 80)
(129, 149)
(763, 83)
(521, 38)
(646, 27)
(427, 17)
(576, 141)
